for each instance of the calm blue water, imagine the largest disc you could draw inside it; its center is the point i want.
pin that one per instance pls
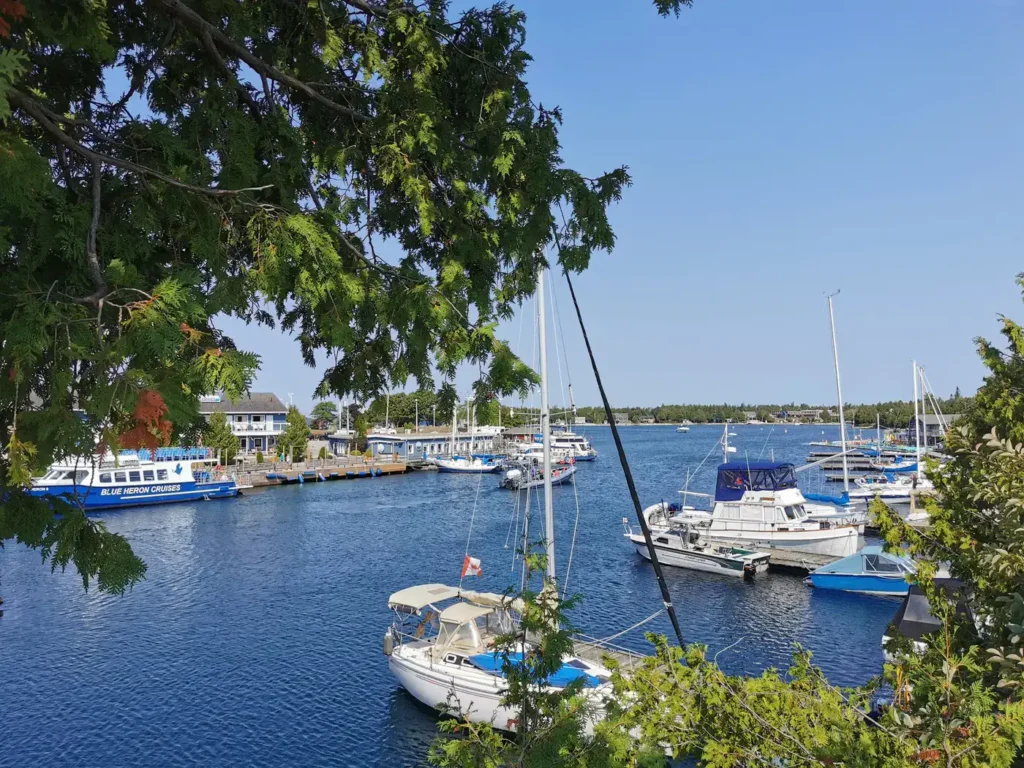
(256, 638)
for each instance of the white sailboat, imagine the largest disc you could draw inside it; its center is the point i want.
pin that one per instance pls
(441, 646)
(466, 464)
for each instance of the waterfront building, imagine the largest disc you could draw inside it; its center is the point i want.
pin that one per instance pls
(931, 427)
(407, 444)
(257, 420)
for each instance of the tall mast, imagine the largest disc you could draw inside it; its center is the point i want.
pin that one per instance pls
(455, 421)
(839, 392)
(545, 427)
(917, 424)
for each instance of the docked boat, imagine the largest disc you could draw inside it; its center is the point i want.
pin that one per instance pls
(871, 571)
(450, 659)
(757, 504)
(441, 648)
(129, 479)
(469, 464)
(680, 540)
(530, 476)
(566, 444)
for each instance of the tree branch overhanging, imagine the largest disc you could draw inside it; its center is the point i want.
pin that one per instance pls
(38, 113)
(201, 27)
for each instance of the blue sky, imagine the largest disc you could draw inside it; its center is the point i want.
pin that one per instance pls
(780, 151)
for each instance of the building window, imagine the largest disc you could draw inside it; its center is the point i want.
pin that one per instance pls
(257, 418)
(120, 477)
(134, 477)
(147, 475)
(242, 442)
(257, 443)
(239, 418)
(105, 477)
(161, 474)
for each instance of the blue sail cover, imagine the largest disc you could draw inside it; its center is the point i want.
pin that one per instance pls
(737, 477)
(491, 662)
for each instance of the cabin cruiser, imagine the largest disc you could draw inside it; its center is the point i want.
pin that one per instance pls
(442, 645)
(682, 542)
(758, 504)
(570, 445)
(134, 478)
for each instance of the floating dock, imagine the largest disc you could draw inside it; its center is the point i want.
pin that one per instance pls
(793, 560)
(302, 474)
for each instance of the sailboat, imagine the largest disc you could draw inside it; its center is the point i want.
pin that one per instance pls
(441, 645)
(467, 464)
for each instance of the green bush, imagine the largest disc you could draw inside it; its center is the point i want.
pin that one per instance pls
(323, 453)
(259, 457)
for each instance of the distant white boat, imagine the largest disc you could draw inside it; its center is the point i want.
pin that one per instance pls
(682, 428)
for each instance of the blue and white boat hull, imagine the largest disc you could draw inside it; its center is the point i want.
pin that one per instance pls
(865, 584)
(94, 499)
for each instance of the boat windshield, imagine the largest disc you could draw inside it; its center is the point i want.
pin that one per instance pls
(735, 478)
(879, 564)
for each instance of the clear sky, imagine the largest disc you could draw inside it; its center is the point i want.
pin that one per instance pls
(779, 150)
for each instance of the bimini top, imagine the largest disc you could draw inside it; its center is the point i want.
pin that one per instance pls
(737, 477)
(412, 599)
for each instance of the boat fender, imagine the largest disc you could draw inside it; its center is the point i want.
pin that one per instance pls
(389, 644)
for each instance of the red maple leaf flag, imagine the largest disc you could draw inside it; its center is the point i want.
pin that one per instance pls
(471, 567)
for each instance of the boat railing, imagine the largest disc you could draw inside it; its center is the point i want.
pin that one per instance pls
(592, 649)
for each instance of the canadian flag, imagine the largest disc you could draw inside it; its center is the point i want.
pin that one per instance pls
(471, 567)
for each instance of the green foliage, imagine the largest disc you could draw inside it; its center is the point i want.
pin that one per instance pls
(293, 440)
(259, 457)
(221, 438)
(323, 453)
(325, 414)
(260, 155)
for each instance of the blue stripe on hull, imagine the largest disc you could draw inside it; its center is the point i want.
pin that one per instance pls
(166, 493)
(849, 582)
(586, 458)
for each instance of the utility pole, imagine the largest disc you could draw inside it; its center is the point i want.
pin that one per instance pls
(417, 403)
(433, 420)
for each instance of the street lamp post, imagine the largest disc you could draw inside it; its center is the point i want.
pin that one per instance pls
(417, 403)
(433, 420)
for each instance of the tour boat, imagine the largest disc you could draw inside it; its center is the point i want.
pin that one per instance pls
(758, 504)
(871, 571)
(681, 541)
(136, 478)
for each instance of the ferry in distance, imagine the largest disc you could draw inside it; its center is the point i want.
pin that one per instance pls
(135, 478)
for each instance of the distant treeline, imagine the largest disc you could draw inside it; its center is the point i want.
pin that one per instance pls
(402, 408)
(895, 413)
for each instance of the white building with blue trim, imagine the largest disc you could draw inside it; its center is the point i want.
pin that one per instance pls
(408, 444)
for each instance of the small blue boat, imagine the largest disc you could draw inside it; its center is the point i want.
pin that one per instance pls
(871, 571)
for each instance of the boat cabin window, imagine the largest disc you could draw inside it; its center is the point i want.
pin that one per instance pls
(134, 477)
(466, 634)
(161, 474)
(791, 513)
(731, 511)
(105, 477)
(147, 475)
(75, 476)
(120, 477)
(879, 564)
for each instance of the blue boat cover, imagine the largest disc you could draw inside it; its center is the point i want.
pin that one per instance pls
(900, 468)
(843, 500)
(492, 662)
(736, 477)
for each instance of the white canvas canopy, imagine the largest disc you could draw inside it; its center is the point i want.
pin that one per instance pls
(413, 599)
(460, 613)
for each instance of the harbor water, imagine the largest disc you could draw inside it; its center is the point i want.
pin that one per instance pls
(256, 637)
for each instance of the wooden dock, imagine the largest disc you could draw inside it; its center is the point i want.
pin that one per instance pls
(318, 472)
(792, 560)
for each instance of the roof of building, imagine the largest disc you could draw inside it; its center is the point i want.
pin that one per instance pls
(931, 419)
(256, 402)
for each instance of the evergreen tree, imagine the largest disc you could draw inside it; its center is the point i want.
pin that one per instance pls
(221, 438)
(293, 440)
